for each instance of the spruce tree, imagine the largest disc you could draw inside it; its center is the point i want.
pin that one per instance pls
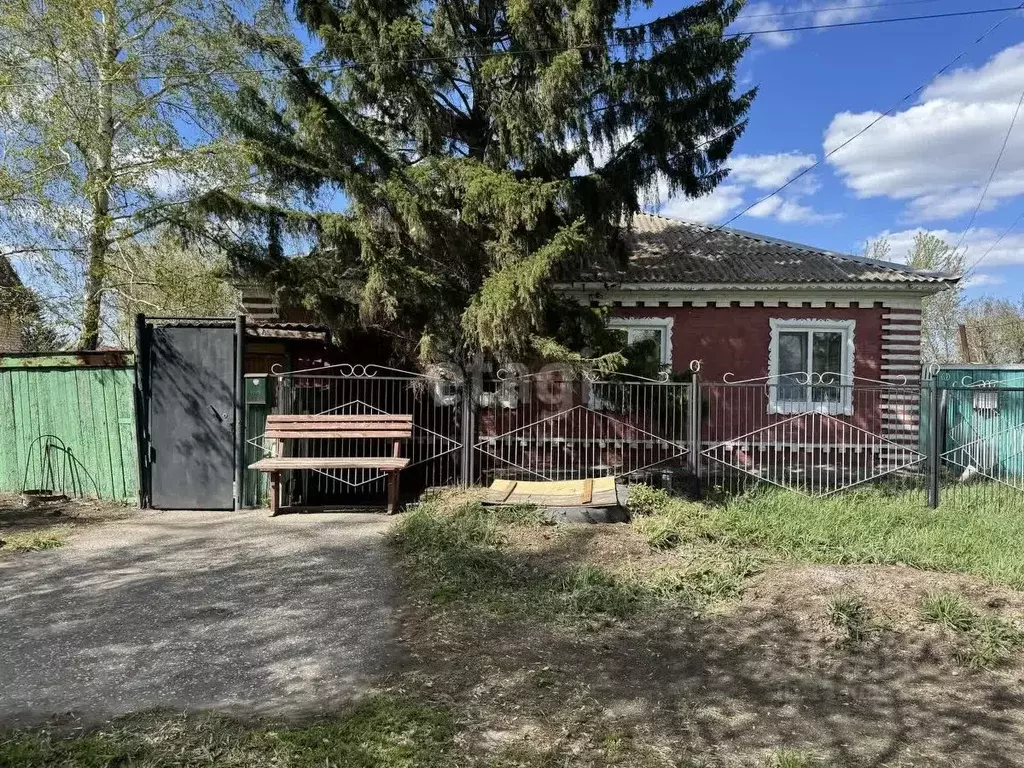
(483, 150)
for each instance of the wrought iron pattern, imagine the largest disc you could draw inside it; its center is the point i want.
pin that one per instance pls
(433, 450)
(555, 428)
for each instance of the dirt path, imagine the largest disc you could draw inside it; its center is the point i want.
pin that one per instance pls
(190, 610)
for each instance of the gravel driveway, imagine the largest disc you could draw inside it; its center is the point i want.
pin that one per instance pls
(197, 610)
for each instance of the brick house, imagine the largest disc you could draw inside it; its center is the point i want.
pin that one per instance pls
(10, 321)
(753, 308)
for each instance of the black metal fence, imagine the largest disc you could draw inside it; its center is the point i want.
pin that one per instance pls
(814, 434)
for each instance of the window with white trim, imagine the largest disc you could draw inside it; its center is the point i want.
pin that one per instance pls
(809, 363)
(637, 329)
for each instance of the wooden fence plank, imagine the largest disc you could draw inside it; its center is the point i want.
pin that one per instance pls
(90, 408)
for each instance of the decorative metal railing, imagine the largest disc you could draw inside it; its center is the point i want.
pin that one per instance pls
(817, 433)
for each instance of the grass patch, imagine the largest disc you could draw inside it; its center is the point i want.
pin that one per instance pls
(850, 615)
(987, 641)
(379, 732)
(861, 526)
(52, 537)
(794, 758)
(949, 611)
(462, 551)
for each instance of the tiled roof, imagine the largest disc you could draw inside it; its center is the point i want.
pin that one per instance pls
(664, 250)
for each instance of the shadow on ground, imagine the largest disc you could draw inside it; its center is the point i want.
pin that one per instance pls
(189, 610)
(725, 687)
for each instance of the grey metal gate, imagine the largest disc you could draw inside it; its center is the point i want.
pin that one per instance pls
(191, 424)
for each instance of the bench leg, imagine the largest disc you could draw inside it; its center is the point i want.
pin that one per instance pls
(392, 492)
(275, 481)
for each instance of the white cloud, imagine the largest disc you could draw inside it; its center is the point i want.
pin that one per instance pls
(981, 280)
(936, 155)
(768, 171)
(999, 79)
(757, 174)
(1009, 250)
(765, 18)
(709, 209)
(758, 16)
(789, 212)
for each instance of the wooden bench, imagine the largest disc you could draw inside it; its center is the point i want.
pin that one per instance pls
(281, 428)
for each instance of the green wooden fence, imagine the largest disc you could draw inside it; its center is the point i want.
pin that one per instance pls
(84, 400)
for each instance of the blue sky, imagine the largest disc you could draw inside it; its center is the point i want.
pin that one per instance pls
(924, 167)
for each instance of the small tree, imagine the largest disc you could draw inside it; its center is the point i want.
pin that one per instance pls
(940, 314)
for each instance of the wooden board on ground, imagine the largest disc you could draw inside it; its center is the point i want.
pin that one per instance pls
(597, 492)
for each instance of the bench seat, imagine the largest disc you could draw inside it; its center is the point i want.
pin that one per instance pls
(283, 430)
(330, 462)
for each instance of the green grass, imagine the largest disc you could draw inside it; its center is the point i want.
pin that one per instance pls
(461, 551)
(866, 526)
(851, 615)
(987, 641)
(794, 758)
(32, 541)
(379, 732)
(949, 611)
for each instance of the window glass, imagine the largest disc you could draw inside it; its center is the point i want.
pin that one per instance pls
(827, 361)
(792, 365)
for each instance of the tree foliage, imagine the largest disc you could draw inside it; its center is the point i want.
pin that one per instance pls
(940, 314)
(995, 330)
(105, 128)
(441, 165)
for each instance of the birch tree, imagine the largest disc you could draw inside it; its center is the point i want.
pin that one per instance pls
(105, 133)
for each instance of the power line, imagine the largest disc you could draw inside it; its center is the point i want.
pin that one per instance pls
(514, 52)
(995, 167)
(810, 11)
(862, 131)
(997, 241)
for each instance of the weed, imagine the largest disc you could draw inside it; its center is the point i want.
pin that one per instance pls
(851, 615)
(878, 526)
(991, 644)
(988, 640)
(645, 501)
(793, 758)
(524, 515)
(588, 590)
(32, 541)
(949, 611)
(665, 522)
(464, 552)
(380, 732)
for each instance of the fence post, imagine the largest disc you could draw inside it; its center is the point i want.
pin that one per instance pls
(239, 409)
(937, 415)
(693, 425)
(141, 409)
(468, 431)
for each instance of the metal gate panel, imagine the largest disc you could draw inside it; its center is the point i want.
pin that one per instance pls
(191, 417)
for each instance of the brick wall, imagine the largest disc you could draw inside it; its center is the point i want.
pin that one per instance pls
(732, 339)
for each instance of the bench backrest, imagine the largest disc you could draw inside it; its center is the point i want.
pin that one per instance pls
(347, 426)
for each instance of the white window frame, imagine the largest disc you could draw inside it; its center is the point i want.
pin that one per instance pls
(663, 324)
(845, 404)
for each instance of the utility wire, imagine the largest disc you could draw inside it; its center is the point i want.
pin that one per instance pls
(812, 11)
(995, 167)
(861, 132)
(514, 52)
(997, 241)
